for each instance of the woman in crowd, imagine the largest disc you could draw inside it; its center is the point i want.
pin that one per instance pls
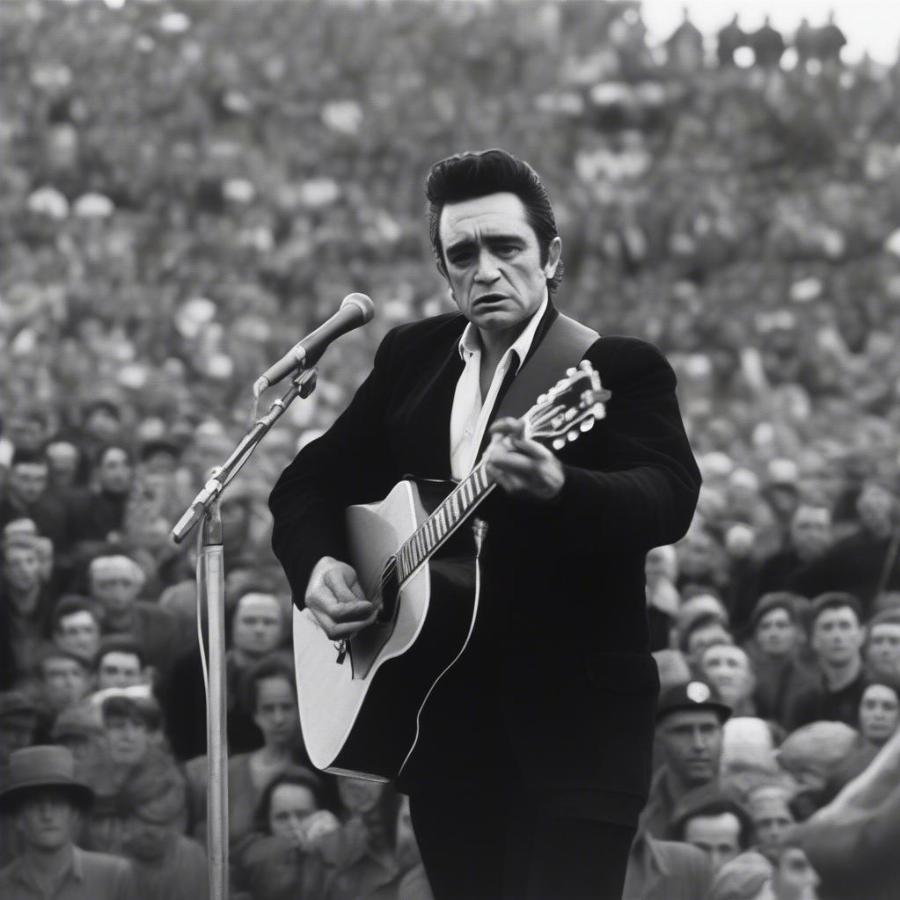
(271, 695)
(280, 859)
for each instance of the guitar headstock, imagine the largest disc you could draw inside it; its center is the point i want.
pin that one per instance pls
(568, 409)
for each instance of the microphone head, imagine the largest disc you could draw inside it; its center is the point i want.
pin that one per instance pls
(362, 302)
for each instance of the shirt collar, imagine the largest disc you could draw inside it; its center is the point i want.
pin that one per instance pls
(470, 342)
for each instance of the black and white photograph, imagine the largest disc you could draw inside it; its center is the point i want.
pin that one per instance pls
(449, 450)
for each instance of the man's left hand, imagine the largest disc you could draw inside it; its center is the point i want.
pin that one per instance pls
(520, 466)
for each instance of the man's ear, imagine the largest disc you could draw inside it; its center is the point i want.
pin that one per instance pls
(554, 254)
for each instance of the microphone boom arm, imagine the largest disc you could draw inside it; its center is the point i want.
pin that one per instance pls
(302, 385)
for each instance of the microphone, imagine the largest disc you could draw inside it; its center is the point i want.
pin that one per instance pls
(355, 310)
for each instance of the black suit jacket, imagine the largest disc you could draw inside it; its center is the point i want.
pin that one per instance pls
(558, 673)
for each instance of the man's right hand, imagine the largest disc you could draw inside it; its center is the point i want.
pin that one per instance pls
(334, 596)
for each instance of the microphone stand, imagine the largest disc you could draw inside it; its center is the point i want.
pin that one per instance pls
(204, 510)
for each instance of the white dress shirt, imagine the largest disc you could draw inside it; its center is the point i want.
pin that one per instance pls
(470, 412)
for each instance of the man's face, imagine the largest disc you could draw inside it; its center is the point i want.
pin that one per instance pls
(23, 568)
(79, 633)
(837, 637)
(707, 636)
(65, 682)
(875, 506)
(127, 738)
(493, 261)
(811, 531)
(692, 744)
(47, 820)
(795, 878)
(879, 713)
(116, 591)
(771, 819)
(776, 634)
(257, 624)
(115, 471)
(119, 670)
(276, 713)
(717, 836)
(62, 460)
(290, 806)
(28, 481)
(102, 425)
(883, 650)
(26, 433)
(697, 553)
(727, 668)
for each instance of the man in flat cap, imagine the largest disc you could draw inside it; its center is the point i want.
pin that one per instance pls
(46, 800)
(689, 720)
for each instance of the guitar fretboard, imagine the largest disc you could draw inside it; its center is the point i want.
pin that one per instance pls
(443, 521)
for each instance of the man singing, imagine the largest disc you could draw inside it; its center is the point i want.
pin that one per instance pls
(534, 756)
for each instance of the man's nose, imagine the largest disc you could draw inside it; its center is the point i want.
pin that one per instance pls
(487, 268)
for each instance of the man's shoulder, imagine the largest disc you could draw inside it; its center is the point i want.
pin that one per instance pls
(446, 327)
(624, 359)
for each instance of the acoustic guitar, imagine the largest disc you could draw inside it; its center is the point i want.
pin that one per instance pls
(361, 699)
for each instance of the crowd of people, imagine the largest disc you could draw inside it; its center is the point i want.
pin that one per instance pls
(188, 187)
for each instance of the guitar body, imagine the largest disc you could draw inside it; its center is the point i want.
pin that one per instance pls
(360, 709)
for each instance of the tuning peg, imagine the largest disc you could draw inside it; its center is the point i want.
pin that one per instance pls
(542, 398)
(585, 366)
(572, 436)
(570, 371)
(598, 410)
(559, 443)
(587, 425)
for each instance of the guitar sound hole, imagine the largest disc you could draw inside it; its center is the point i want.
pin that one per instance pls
(390, 589)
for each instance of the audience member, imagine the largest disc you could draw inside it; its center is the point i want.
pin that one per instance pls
(280, 859)
(689, 722)
(836, 639)
(718, 826)
(270, 692)
(76, 626)
(769, 809)
(728, 669)
(120, 663)
(781, 678)
(881, 650)
(47, 800)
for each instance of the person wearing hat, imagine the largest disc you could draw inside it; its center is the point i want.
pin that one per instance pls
(46, 800)
(689, 720)
(18, 724)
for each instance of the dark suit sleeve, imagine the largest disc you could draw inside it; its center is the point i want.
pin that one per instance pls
(643, 489)
(346, 465)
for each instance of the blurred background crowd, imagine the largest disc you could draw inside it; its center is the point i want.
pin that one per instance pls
(189, 187)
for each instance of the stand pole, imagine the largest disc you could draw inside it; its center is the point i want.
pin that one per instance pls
(211, 575)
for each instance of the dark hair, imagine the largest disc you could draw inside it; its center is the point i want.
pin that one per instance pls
(776, 600)
(69, 604)
(295, 775)
(119, 643)
(835, 600)
(101, 453)
(143, 710)
(93, 406)
(28, 458)
(715, 806)
(466, 176)
(51, 651)
(274, 666)
(703, 621)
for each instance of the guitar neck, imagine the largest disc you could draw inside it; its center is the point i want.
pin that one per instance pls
(448, 516)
